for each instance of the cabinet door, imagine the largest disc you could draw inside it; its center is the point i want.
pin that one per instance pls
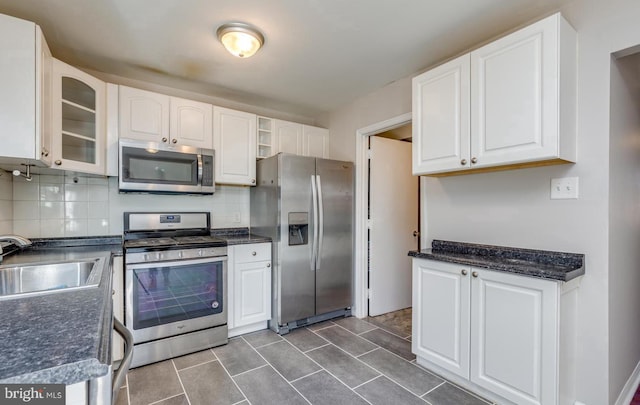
(79, 113)
(315, 141)
(514, 333)
(441, 118)
(288, 136)
(24, 61)
(191, 123)
(144, 115)
(252, 293)
(441, 315)
(234, 140)
(514, 97)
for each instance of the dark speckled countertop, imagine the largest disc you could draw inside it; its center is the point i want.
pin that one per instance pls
(528, 262)
(238, 236)
(60, 337)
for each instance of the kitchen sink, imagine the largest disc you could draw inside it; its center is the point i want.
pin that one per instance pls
(43, 278)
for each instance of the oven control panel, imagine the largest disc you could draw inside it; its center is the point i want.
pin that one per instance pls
(172, 255)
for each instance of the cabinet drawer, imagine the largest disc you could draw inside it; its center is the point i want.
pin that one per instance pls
(252, 253)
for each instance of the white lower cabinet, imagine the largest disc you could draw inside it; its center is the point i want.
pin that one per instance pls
(249, 292)
(508, 337)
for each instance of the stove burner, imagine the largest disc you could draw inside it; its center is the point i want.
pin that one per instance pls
(175, 242)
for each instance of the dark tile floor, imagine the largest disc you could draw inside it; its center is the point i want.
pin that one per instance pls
(345, 361)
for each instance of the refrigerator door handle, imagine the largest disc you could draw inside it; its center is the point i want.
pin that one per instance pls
(314, 202)
(320, 223)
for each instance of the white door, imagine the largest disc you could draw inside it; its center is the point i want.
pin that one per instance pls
(441, 118)
(191, 123)
(514, 96)
(514, 321)
(234, 141)
(393, 203)
(252, 293)
(440, 317)
(315, 141)
(144, 115)
(288, 137)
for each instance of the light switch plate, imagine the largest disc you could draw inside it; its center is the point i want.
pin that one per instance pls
(565, 188)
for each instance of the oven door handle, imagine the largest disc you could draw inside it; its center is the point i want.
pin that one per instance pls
(177, 263)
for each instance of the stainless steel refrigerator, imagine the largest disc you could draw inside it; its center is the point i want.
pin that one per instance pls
(305, 205)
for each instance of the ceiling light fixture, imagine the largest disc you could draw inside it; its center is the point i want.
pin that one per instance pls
(241, 40)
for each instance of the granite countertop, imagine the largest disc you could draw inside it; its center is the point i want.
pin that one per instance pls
(239, 236)
(528, 262)
(62, 337)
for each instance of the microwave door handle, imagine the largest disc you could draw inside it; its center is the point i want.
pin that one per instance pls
(200, 170)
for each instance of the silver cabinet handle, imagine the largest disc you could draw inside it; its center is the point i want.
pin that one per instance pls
(253, 181)
(474, 160)
(463, 162)
(416, 234)
(268, 264)
(253, 253)
(464, 272)
(58, 162)
(164, 139)
(474, 273)
(174, 141)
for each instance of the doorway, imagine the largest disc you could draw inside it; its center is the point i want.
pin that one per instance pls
(392, 220)
(383, 131)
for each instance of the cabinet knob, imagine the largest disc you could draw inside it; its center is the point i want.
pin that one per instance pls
(45, 152)
(58, 162)
(253, 253)
(174, 141)
(164, 139)
(474, 160)
(464, 272)
(474, 273)
(253, 181)
(268, 264)
(416, 234)
(463, 162)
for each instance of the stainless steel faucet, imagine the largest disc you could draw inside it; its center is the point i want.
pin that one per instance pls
(15, 239)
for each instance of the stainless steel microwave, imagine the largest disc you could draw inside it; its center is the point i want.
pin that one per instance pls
(151, 167)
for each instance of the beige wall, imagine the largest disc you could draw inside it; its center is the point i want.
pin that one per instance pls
(513, 207)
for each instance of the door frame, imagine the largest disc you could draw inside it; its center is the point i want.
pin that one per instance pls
(360, 308)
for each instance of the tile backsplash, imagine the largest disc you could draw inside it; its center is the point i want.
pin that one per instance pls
(77, 205)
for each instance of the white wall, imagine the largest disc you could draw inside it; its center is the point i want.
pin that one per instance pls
(513, 207)
(76, 205)
(6, 203)
(624, 222)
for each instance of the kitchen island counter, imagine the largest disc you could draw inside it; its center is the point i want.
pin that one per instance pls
(527, 262)
(61, 337)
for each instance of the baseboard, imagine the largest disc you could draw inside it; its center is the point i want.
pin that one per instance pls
(629, 389)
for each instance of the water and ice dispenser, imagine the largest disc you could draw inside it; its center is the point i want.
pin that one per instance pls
(298, 228)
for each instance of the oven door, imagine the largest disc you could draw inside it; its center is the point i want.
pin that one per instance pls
(170, 298)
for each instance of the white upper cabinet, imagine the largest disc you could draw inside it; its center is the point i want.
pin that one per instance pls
(79, 123)
(441, 118)
(144, 115)
(518, 94)
(149, 116)
(25, 79)
(315, 141)
(191, 123)
(288, 137)
(234, 138)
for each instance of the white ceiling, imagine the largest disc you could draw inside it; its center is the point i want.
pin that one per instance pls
(318, 55)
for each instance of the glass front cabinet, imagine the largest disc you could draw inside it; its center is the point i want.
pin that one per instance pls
(79, 120)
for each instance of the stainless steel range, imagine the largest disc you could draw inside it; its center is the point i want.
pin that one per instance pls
(175, 284)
